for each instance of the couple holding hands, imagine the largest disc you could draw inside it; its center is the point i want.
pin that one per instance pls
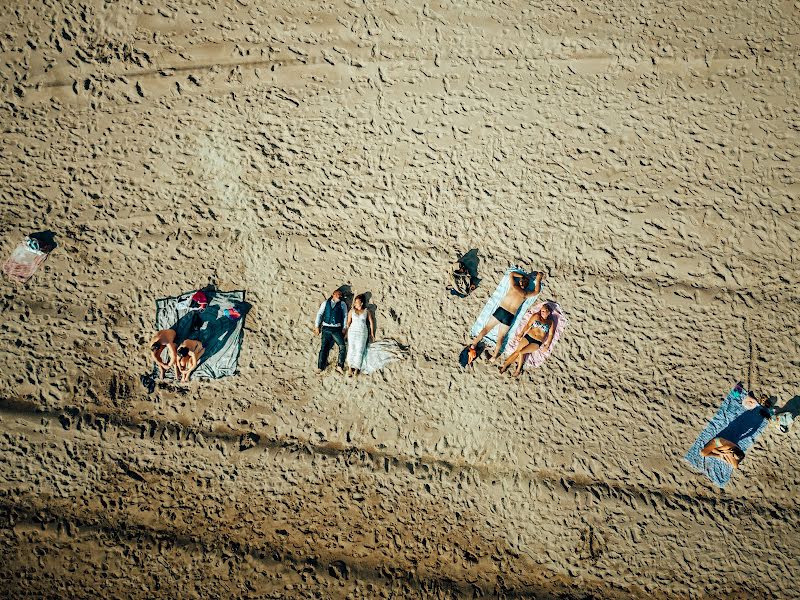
(183, 358)
(334, 321)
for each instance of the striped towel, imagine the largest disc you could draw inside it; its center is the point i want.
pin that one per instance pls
(494, 301)
(23, 262)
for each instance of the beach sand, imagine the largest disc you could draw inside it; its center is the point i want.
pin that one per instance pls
(645, 156)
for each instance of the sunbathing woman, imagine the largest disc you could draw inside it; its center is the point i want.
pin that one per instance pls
(537, 333)
(164, 339)
(724, 450)
(189, 353)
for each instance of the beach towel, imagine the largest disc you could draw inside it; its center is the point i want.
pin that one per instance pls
(494, 301)
(219, 327)
(733, 422)
(24, 261)
(535, 359)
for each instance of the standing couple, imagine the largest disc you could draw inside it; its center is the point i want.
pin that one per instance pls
(333, 322)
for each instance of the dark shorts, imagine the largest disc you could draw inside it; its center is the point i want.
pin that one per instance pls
(502, 315)
(532, 340)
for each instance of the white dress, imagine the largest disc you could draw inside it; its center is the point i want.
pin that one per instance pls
(357, 336)
(381, 353)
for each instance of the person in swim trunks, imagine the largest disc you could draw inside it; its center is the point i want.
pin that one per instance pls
(161, 340)
(509, 305)
(537, 334)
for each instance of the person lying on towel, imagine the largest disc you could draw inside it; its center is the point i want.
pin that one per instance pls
(724, 450)
(189, 353)
(537, 334)
(507, 311)
(164, 339)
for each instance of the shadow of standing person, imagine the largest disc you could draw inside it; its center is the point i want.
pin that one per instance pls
(372, 308)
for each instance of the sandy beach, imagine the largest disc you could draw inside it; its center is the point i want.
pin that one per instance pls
(644, 154)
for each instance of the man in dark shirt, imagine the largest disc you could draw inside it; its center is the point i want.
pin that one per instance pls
(330, 322)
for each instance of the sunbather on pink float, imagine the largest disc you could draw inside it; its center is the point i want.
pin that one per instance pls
(537, 334)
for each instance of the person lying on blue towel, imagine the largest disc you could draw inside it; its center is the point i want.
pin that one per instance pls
(505, 314)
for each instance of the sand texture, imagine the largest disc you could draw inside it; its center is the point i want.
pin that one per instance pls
(644, 154)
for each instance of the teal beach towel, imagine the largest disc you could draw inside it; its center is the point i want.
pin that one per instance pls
(220, 335)
(734, 423)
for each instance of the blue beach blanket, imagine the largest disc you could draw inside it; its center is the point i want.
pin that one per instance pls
(732, 422)
(494, 301)
(221, 336)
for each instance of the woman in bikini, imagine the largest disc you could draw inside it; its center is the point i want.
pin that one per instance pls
(723, 450)
(189, 353)
(537, 334)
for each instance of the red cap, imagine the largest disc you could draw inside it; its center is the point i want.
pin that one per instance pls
(200, 298)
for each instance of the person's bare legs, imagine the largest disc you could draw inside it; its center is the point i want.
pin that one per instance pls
(501, 334)
(512, 357)
(520, 362)
(172, 350)
(159, 363)
(162, 365)
(522, 353)
(194, 363)
(724, 450)
(490, 324)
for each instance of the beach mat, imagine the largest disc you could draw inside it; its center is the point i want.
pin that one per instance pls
(24, 261)
(494, 301)
(221, 336)
(733, 422)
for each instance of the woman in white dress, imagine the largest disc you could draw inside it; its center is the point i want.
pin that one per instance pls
(360, 331)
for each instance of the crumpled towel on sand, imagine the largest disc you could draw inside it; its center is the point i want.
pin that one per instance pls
(23, 262)
(535, 359)
(494, 301)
